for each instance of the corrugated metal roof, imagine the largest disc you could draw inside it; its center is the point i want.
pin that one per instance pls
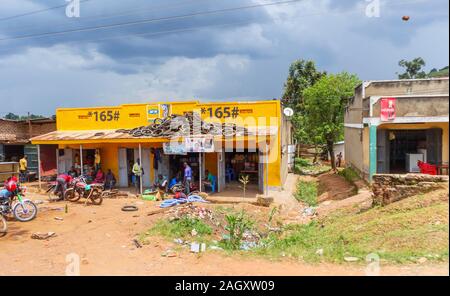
(82, 135)
(112, 135)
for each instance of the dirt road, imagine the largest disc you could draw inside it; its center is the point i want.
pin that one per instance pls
(102, 237)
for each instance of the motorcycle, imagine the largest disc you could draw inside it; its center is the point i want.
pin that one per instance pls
(79, 188)
(56, 195)
(23, 210)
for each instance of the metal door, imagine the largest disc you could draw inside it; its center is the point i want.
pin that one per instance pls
(123, 168)
(383, 152)
(434, 146)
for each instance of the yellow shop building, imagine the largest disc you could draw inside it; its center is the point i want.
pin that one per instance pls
(262, 154)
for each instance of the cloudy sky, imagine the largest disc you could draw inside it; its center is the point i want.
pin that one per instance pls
(183, 50)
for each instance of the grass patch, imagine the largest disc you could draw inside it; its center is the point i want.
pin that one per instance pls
(307, 192)
(303, 166)
(349, 174)
(399, 233)
(180, 228)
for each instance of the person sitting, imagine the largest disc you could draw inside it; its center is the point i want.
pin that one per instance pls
(161, 183)
(173, 182)
(110, 180)
(99, 177)
(209, 181)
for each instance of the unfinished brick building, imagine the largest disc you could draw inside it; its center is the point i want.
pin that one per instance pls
(15, 142)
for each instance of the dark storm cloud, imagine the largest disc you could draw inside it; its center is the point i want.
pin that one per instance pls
(113, 42)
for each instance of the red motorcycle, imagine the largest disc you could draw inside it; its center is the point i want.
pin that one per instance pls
(79, 188)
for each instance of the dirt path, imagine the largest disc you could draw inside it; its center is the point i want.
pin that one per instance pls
(335, 187)
(102, 238)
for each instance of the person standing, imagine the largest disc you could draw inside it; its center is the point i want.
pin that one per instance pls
(187, 178)
(339, 160)
(137, 172)
(97, 160)
(23, 167)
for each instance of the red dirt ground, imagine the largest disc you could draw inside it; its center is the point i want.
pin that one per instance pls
(102, 237)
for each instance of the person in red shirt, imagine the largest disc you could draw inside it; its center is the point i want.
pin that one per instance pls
(63, 180)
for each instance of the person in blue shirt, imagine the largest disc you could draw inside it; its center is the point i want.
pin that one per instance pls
(173, 182)
(4, 195)
(187, 179)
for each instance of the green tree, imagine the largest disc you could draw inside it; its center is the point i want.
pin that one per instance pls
(302, 74)
(413, 69)
(12, 116)
(324, 108)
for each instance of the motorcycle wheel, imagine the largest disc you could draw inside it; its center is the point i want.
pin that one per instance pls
(3, 226)
(96, 197)
(52, 196)
(71, 195)
(25, 212)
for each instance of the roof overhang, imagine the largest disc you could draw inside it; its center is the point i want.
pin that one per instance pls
(112, 136)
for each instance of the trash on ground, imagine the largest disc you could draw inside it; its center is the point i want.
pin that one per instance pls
(309, 211)
(59, 218)
(194, 232)
(197, 247)
(41, 235)
(178, 241)
(169, 253)
(351, 259)
(137, 243)
(319, 252)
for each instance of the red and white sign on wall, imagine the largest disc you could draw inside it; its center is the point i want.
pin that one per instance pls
(388, 109)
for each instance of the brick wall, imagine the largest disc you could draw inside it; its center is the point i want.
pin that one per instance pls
(389, 188)
(18, 131)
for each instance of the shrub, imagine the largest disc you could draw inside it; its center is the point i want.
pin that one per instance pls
(349, 174)
(302, 162)
(236, 226)
(307, 192)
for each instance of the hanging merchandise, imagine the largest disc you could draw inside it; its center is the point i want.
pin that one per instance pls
(174, 148)
(199, 144)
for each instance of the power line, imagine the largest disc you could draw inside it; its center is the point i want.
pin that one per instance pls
(37, 11)
(146, 21)
(124, 13)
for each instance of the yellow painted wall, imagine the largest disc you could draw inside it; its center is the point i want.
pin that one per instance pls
(258, 113)
(211, 163)
(442, 125)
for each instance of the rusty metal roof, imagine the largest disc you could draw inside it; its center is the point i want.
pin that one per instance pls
(114, 136)
(83, 135)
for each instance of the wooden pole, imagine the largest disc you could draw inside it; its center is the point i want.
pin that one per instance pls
(39, 165)
(81, 160)
(140, 166)
(200, 172)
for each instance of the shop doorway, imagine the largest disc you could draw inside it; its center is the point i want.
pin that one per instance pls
(126, 161)
(247, 163)
(399, 150)
(177, 169)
